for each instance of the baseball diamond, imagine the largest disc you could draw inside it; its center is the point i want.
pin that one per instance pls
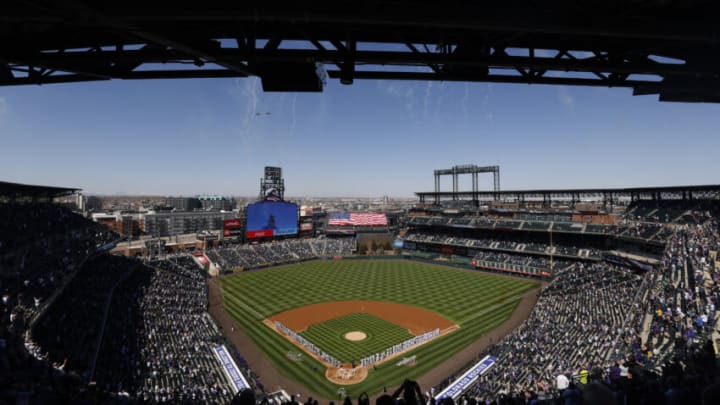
(474, 302)
(380, 334)
(394, 328)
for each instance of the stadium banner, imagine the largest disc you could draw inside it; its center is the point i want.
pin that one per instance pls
(306, 226)
(107, 247)
(458, 386)
(398, 243)
(201, 258)
(447, 250)
(231, 369)
(232, 227)
(271, 218)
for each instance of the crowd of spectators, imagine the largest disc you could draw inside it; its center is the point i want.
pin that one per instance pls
(682, 299)
(659, 211)
(572, 327)
(158, 347)
(597, 333)
(522, 263)
(42, 248)
(501, 244)
(69, 331)
(557, 217)
(603, 334)
(278, 252)
(631, 226)
(24, 224)
(72, 315)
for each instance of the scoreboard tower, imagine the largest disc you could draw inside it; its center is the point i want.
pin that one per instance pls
(272, 186)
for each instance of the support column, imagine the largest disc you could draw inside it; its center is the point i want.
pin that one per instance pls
(455, 182)
(475, 189)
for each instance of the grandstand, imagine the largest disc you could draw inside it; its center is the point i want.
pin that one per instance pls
(60, 288)
(614, 307)
(254, 256)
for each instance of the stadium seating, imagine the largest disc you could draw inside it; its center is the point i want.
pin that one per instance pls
(544, 217)
(571, 326)
(640, 338)
(567, 227)
(535, 225)
(499, 244)
(278, 252)
(42, 248)
(639, 335)
(158, 348)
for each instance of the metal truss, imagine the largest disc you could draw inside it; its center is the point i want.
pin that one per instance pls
(659, 47)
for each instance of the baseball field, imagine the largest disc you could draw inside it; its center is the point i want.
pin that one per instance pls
(350, 309)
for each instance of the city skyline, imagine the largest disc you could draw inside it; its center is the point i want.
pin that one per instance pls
(374, 138)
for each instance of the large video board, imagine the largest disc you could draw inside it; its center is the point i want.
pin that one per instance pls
(271, 218)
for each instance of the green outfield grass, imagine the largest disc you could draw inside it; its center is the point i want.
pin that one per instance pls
(476, 301)
(330, 336)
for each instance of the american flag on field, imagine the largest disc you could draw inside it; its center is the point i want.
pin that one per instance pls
(357, 219)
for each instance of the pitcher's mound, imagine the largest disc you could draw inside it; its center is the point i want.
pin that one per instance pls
(355, 336)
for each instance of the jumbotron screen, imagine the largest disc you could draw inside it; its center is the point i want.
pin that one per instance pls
(271, 218)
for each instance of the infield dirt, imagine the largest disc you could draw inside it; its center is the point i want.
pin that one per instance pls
(416, 320)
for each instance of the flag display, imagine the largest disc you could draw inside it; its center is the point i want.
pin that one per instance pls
(357, 219)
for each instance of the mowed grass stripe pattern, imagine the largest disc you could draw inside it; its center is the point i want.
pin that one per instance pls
(330, 336)
(477, 301)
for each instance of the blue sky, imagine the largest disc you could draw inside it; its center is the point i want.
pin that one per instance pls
(374, 138)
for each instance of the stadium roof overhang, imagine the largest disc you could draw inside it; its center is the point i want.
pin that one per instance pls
(18, 192)
(668, 48)
(689, 192)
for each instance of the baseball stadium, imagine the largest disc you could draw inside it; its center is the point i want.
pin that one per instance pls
(384, 302)
(465, 305)
(141, 263)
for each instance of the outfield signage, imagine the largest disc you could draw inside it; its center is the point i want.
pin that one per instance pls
(458, 386)
(231, 369)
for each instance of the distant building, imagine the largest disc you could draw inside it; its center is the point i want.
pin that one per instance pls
(183, 203)
(131, 225)
(127, 224)
(108, 220)
(93, 203)
(216, 203)
(179, 223)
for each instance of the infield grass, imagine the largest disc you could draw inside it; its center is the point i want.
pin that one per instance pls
(330, 336)
(478, 302)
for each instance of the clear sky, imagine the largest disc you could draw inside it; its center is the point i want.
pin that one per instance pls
(374, 138)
